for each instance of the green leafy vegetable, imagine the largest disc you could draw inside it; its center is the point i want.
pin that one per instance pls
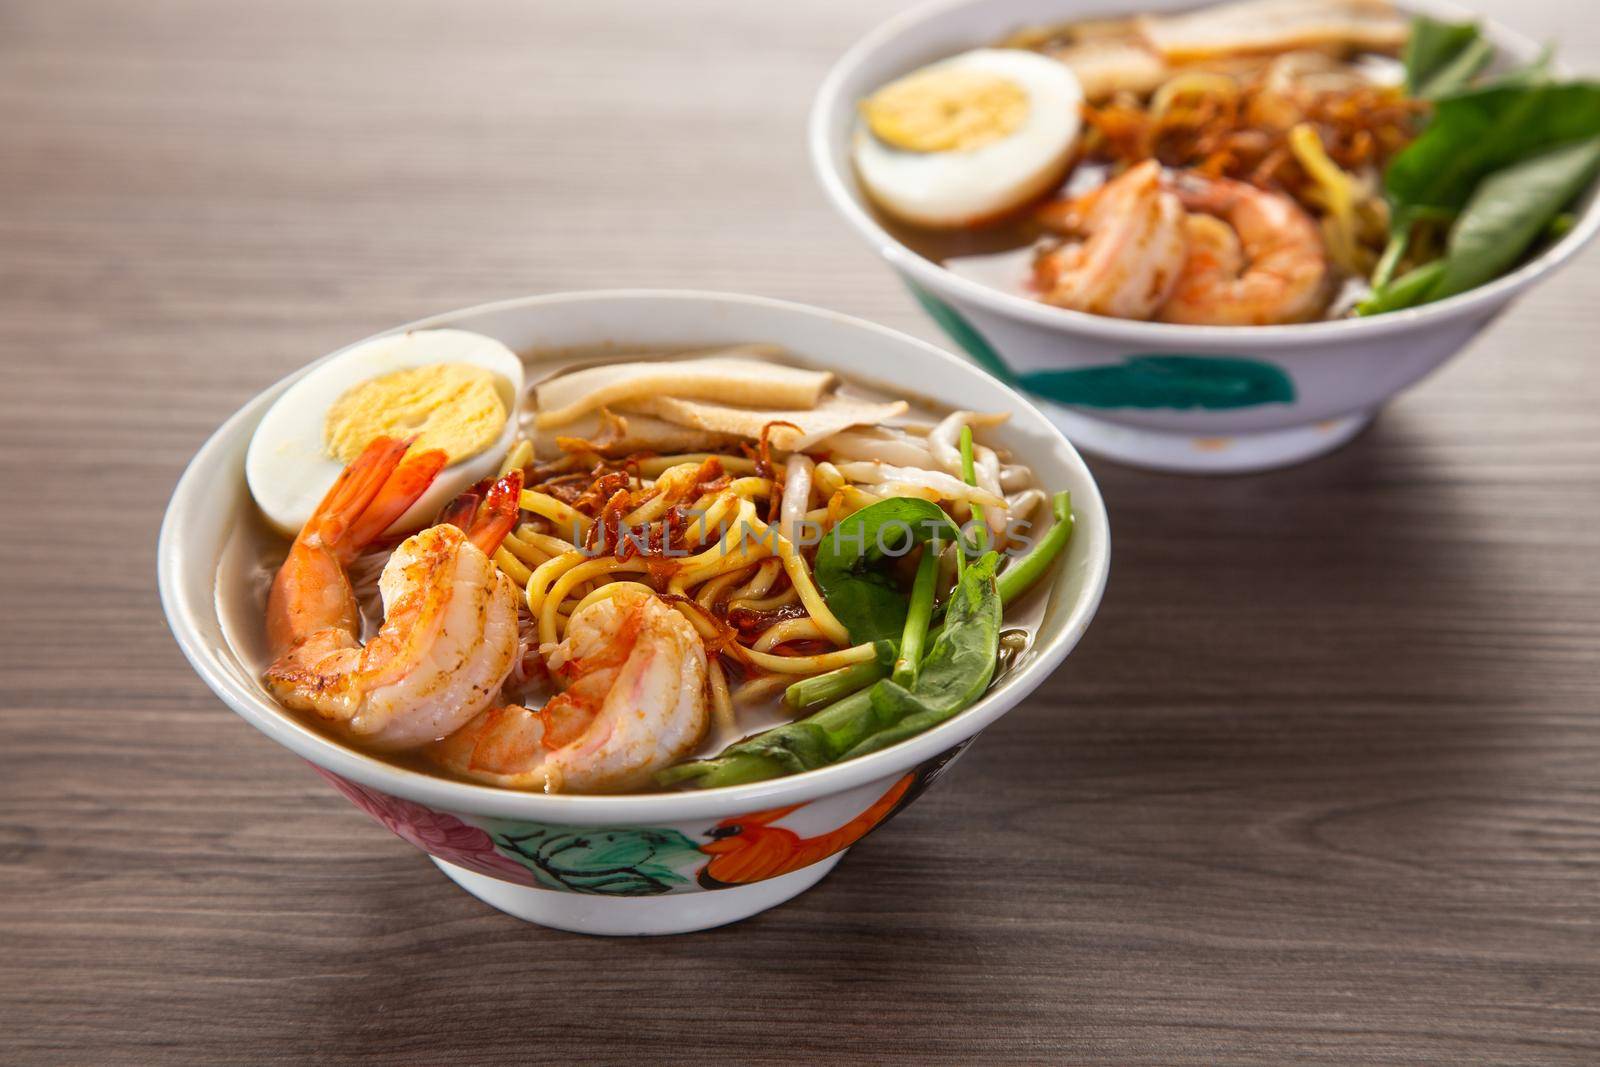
(1020, 574)
(849, 565)
(956, 672)
(1473, 134)
(1509, 211)
(1477, 132)
(1442, 57)
(957, 668)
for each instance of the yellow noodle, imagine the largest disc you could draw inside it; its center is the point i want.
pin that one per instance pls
(655, 507)
(546, 613)
(520, 456)
(712, 590)
(787, 630)
(809, 664)
(721, 703)
(760, 690)
(761, 583)
(563, 517)
(729, 561)
(827, 479)
(546, 574)
(1193, 83)
(1338, 194)
(709, 629)
(713, 523)
(609, 590)
(511, 566)
(525, 553)
(771, 603)
(720, 559)
(549, 544)
(656, 465)
(853, 500)
(800, 576)
(750, 488)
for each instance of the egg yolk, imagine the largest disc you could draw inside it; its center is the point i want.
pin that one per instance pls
(453, 407)
(945, 110)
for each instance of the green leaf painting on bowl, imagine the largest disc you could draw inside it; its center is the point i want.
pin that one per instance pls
(1178, 381)
(625, 862)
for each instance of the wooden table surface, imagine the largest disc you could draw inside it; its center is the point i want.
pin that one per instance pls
(1320, 784)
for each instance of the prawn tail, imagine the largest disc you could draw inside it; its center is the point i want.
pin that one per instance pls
(405, 481)
(487, 511)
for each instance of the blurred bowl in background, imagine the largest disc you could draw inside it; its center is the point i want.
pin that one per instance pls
(1205, 399)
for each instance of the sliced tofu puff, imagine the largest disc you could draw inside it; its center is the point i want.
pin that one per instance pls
(447, 389)
(968, 139)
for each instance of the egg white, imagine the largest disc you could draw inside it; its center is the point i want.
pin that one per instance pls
(288, 470)
(948, 190)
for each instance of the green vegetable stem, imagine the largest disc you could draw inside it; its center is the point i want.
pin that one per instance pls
(956, 672)
(808, 694)
(869, 703)
(918, 616)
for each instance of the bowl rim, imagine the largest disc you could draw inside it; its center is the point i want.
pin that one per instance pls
(834, 175)
(174, 549)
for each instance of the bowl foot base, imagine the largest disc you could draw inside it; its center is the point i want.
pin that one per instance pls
(669, 913)
(1197, 454)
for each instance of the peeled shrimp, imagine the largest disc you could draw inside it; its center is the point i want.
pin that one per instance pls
(1127, 251)
(449, 634)
(1254, 257)
(635, 701)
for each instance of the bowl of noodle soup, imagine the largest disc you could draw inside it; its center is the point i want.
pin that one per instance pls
(1140, 388)
(653, 858)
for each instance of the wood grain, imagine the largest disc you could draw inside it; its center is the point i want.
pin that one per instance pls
(1320, 785)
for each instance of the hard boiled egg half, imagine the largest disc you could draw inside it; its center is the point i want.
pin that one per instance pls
(449, 389)
(969, 138)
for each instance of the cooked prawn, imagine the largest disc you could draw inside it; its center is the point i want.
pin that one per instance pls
(635, 701)
(449, 634)
(1255, 257)
(1127, 247)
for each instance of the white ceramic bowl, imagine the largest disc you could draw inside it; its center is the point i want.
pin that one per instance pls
(1218, 399)
(642, 863)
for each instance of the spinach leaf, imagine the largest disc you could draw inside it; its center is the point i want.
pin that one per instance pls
(849, 565)
(1442, 57)
(1508, 212)
(1476, 132)
(956, 671)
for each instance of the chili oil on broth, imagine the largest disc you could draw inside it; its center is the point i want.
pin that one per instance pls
(253, 552)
